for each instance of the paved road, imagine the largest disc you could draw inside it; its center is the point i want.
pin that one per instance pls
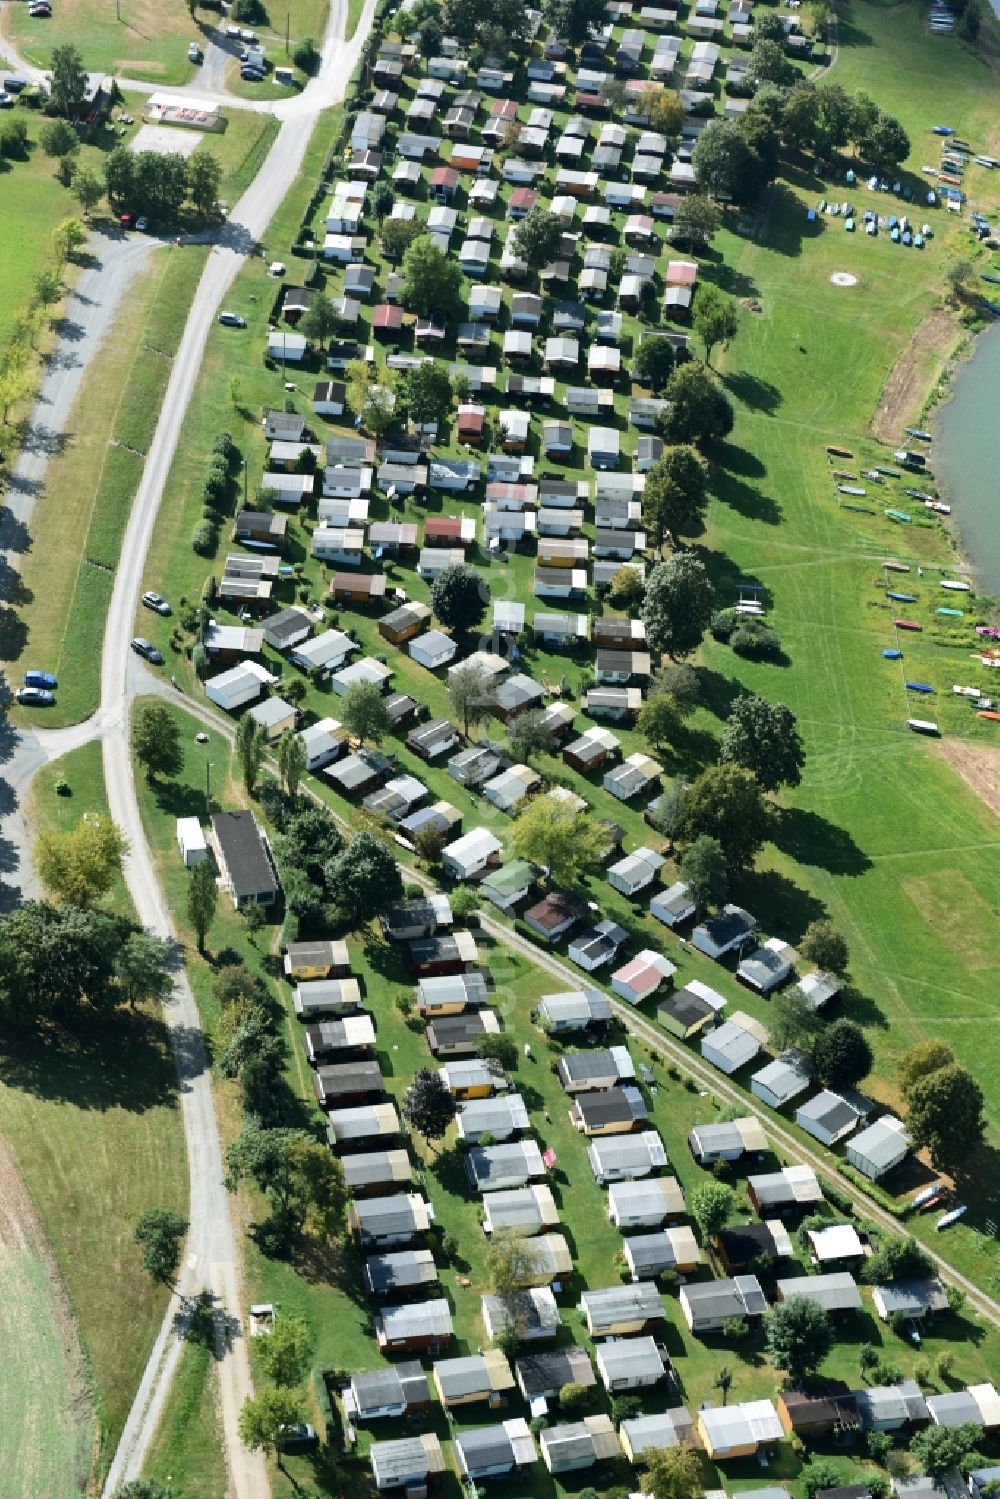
(85, 322)
(212, 1255)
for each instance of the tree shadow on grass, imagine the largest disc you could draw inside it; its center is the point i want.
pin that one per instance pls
(813, 840)
(754, 392)
(122, 1061)
(718, 693)
(736, 460)
(746, 499)
(789, 907)
(175, 799)
(862, 1008)
(787, 227)
(726, 277)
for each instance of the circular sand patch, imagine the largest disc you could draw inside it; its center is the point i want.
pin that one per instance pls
(843, 278)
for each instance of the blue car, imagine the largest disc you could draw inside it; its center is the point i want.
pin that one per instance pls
(40, 679)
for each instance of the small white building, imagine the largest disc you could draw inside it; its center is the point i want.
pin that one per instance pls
(191, 841)
(879, 1148)
(433, 649)
(472, 855)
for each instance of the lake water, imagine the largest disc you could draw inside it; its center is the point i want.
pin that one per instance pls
(966, 457)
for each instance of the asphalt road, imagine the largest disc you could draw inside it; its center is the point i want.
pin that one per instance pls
(84, 324)
(212, 1259)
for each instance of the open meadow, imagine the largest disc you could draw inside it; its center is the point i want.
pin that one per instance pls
(91, 1121)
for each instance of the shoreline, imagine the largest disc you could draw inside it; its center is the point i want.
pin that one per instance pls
(931, 419)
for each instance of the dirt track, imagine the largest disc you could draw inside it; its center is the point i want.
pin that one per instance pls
(47, 1419)
(979, 767)
(912, 376)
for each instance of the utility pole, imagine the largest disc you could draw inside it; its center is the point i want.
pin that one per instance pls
(244, 484)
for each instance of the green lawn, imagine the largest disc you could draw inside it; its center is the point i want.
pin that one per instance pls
(90, 1115)
(187, 1449)
(138, 38)
(91, 483)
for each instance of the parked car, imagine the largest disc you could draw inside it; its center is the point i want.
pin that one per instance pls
(15, 85)
(142, 224)
(156, 602)
(296, 1438)
(232, 320)
(6, 100)
(36, 697)
(147, 649)
(194, 52)
(40, 679)
(126, 220)
(251, 75)
(39, 8)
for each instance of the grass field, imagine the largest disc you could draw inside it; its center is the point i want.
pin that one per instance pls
(187, 1448)
(91, 482)
(91, 1120)
(150, 40)
(47, 1420)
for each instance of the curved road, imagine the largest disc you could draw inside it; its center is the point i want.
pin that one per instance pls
(212, 1259)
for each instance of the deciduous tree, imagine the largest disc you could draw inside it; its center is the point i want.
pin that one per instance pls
(425, 393)
(431, 280)
(574, 20)
(201, 900)
(428, 1105)
(799, 1336)
(764, 739)
(658, 720)
(919, 1061)
(156, 740)
(677, 605)
(67, 238)
(626, 590)
(67, 79)
(653, 363)
(699, 409)
(823, 945)
(676, 493)
(264, 1417)
(696, 222)
(842, 1055)
(364, 712)
(58, 138)
(664, 110)
(792, 1020)
(141, 967)
(204, 179)
(705, 871)
(87, 189)
(470, 694)
(945, 1113)
(672, 1473)
(459, 596)
(726, 802)
(715, 318)
(939, 1449)
(567, 844)
(711, 1205)
(284, 1353)
(251, 747)
(291, 761)
(528, 735)
(537, 238)
(160, 1232)
(79, 865)
(320, 321)
(363, 879)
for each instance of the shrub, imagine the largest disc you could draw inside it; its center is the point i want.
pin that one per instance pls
(723, 623)
(756, 641)
(204, 538)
